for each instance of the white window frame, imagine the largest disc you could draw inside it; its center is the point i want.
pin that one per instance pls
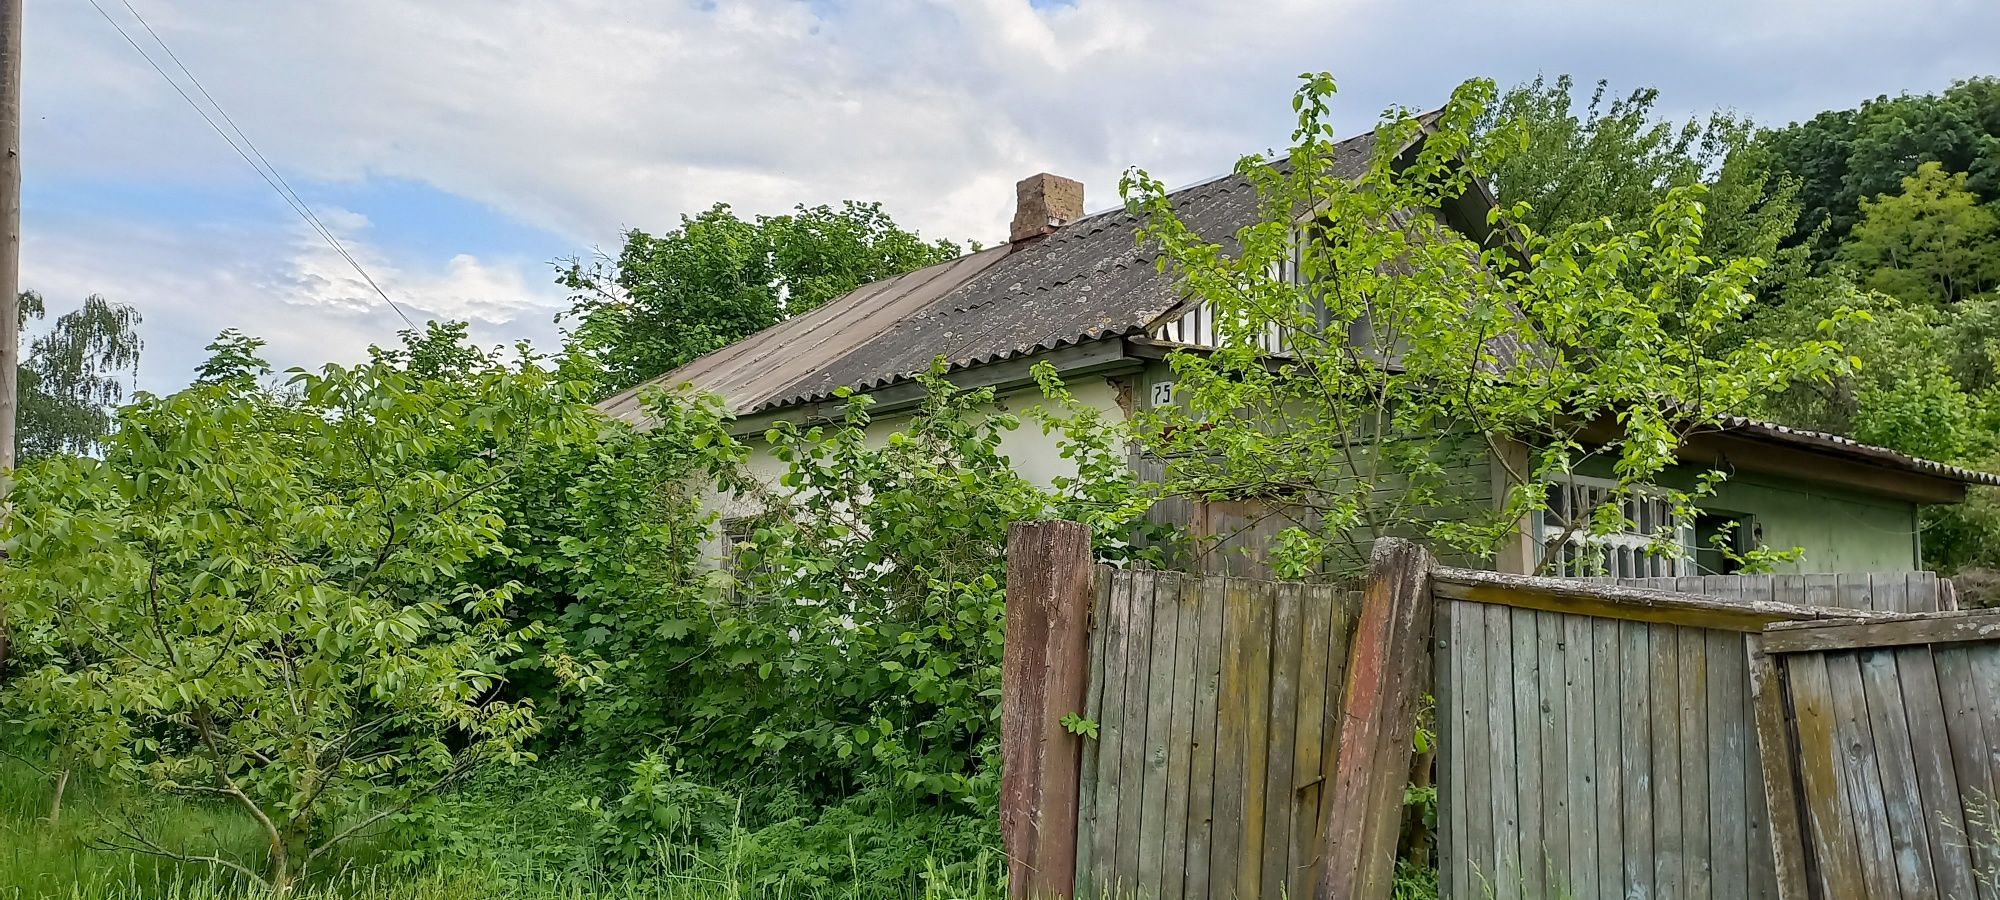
(1624, 554)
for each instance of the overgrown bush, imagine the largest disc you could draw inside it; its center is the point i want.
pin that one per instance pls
(852, 649)
(265, 596)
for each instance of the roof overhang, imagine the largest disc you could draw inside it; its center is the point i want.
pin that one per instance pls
(1739, 444)
(1103, 356)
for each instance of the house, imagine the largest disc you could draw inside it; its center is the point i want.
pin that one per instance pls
(1079, 292)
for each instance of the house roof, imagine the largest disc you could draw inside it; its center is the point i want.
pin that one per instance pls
(1090, 280)
(1850, 448)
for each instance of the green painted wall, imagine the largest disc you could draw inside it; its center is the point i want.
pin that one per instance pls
(1840, 530)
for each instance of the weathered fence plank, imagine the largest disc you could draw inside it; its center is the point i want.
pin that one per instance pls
(1576, 656)
(1159, 731)
(1093, 709)
(1383, 685)
(1113, 723)
(1202, 739)
(1527, 717)
(1310, 735)
(1180, 739)
(1281, 747)
(1502, 866)
(1606, 727)
(1132, 745)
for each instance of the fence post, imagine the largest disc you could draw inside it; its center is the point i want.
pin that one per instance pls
(1043, 672)
(1384, 680)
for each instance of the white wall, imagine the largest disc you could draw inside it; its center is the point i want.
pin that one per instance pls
(1034, 455)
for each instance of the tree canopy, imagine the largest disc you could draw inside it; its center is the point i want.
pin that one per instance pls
(717, 278)
(74, 374)
(1406, 347)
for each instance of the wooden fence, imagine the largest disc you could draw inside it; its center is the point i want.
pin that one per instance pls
(1597, 740)
(1213, 698)
(1894, 592)
(1253, 739)
(1885, 737)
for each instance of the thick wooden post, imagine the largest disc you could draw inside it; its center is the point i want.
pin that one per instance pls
(1385, 678)
(1044, 669)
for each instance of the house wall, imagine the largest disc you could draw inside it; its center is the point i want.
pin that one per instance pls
(1840, 530)
(1034, 455)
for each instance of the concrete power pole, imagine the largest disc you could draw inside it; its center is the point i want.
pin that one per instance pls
(10, 231)
(10, 262)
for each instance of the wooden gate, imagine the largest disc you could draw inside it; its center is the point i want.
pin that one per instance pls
(1881, 740)
(1248, 739)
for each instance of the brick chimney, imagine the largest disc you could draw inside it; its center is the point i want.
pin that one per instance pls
(1044, 203)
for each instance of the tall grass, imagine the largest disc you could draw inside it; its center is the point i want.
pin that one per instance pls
(38, 862)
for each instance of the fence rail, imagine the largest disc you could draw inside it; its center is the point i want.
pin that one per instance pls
(1893, 592)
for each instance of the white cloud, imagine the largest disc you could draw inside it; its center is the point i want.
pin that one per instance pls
(191, 283)
(587, 116)
(460, 287)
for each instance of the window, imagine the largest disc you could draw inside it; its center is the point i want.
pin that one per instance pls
(737, 532)
(1721, 538)
(1563, 530)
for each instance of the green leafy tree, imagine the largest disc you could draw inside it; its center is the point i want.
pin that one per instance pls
(1616, 158)
(1406, 350)
(717, 278)
(233, 359)
(74, 374)
(849, 648)
(263, 596)
(1841, 156)
(1932, 242)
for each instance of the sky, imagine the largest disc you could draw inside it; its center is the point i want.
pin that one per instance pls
(459, 148)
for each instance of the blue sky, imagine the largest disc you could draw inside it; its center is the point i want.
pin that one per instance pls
(459, 146)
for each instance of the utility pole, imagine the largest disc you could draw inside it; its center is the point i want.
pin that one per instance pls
(10, 230)
(10, 264)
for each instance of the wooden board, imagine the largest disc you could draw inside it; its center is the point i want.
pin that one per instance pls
(1217, 700)
(1891, 752)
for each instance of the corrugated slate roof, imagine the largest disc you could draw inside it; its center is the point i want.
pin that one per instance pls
(1088, 281)
(1853, 449)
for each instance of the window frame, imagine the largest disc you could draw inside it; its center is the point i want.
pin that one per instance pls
(1624, 554)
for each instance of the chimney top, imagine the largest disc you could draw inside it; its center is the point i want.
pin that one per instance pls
(1044, 203)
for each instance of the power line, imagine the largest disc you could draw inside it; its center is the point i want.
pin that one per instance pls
(265, 171)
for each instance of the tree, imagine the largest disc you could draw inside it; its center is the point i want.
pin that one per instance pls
(1407, 350)
(1931, 243)
(74, 374)
(262, 596)
(1616, 159)
(1841, 156)
(718, 278)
